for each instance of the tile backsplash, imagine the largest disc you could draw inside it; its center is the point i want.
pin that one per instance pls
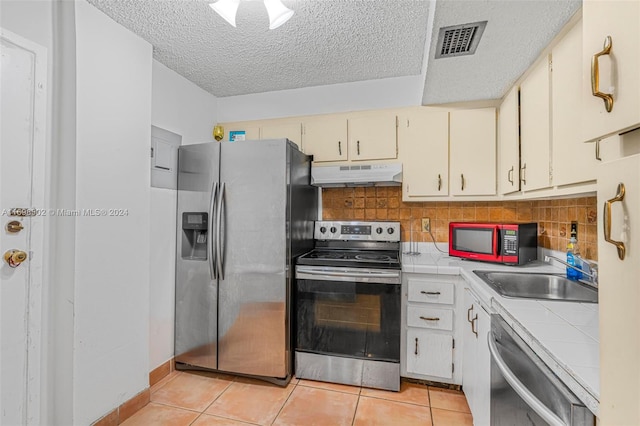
(554, 217)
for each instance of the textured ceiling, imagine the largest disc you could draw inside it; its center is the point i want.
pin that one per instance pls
(340, 41)
(517, 31)
(325, 42)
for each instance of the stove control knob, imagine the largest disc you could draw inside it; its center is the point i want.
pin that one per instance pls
(323, 229)
(390, 230)
(333, 229)
(379, 230)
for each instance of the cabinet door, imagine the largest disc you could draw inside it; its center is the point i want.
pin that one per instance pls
(373, 137)
(619, 294)
(619, 71)
(429, 353)
(470, 365)
(573, 160)
(534, 128)
(423, 138)
(472, 139)
(481, 415)
(509, 143)
(325, 139)
(291, 131)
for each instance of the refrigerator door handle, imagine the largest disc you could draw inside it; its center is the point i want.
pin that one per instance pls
(211, 248)
(220, 232)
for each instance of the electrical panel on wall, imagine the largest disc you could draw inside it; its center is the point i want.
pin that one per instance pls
(164, 158)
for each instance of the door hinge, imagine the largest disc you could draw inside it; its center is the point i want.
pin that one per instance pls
(452, 367)
(453, 343)
(304, 129)
(397, 122)
(151, 152)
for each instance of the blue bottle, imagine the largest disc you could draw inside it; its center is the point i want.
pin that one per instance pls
(572, 274)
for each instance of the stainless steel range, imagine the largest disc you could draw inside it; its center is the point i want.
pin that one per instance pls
(348, 305)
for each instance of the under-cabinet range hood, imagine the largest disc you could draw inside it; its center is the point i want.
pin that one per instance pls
(357, 175)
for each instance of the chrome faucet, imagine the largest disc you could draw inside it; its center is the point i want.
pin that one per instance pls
(593, 268)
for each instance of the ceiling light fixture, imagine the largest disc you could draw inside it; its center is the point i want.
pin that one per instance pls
(278, 12)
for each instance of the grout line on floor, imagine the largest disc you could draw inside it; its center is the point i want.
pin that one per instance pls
(353, 421)
(175, 406)
(397, 400)
(295, 385)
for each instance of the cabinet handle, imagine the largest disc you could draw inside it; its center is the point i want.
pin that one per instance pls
(462, 179)
(340, 148)
(607, 221)
(416, 352)
(473, 325)
(430, 293)
(439, 182)
(430, 318)
(595, 75)
(510, 176)
(469, 313)
(358, 147)
(598, 150)
(523, 174)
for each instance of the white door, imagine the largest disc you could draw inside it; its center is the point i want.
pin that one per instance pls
(22, 147)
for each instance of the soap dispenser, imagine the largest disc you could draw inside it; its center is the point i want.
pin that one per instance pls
(572, 274)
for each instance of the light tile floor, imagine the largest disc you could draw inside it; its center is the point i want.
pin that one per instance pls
(207, 399)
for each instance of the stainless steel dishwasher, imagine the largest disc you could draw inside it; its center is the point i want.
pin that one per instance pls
(524, 391)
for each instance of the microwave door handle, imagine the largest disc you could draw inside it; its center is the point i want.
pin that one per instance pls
(499, 253)
(529, 398)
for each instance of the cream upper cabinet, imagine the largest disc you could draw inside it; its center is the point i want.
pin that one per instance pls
(291, 131)
(509, 144)
(472, 159)
(535, 128)
(373, 137)
(619, 70)
(619, 292)
(423, 139)
(325, 138)
(573, 160)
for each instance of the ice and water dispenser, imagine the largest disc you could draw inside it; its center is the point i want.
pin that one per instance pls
(194, 235)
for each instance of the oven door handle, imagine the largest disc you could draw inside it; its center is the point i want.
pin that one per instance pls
(325, 275)
(529, 398)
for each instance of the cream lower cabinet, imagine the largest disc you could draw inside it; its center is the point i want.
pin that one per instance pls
(476, 359)
(535, 122)
(325, 138)
(619, 292)
(509, 143)
(429, 330)
(423, 140)
(373, 137)
(472, 152)
(618, 70)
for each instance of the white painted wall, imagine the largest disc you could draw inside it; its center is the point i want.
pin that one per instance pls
(111, 341)
(362, 95)
(183, 108)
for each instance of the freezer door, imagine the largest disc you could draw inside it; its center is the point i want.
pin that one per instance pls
(253, 320)
(196, 293)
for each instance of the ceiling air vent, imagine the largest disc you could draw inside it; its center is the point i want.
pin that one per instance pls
(459, 40)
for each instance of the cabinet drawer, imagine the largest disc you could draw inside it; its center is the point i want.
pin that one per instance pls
(430, 291)
(438, 319)
(429, 354)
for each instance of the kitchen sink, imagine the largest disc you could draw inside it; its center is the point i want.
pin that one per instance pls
(525, 285)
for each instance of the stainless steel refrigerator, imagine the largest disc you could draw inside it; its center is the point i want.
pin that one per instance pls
(246, 209)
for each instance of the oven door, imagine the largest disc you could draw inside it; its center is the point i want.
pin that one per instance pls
(348, 312)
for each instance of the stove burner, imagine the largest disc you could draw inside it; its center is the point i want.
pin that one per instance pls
(327, 255)
(374, 257)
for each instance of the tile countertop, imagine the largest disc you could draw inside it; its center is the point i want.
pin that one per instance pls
(563, 334)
